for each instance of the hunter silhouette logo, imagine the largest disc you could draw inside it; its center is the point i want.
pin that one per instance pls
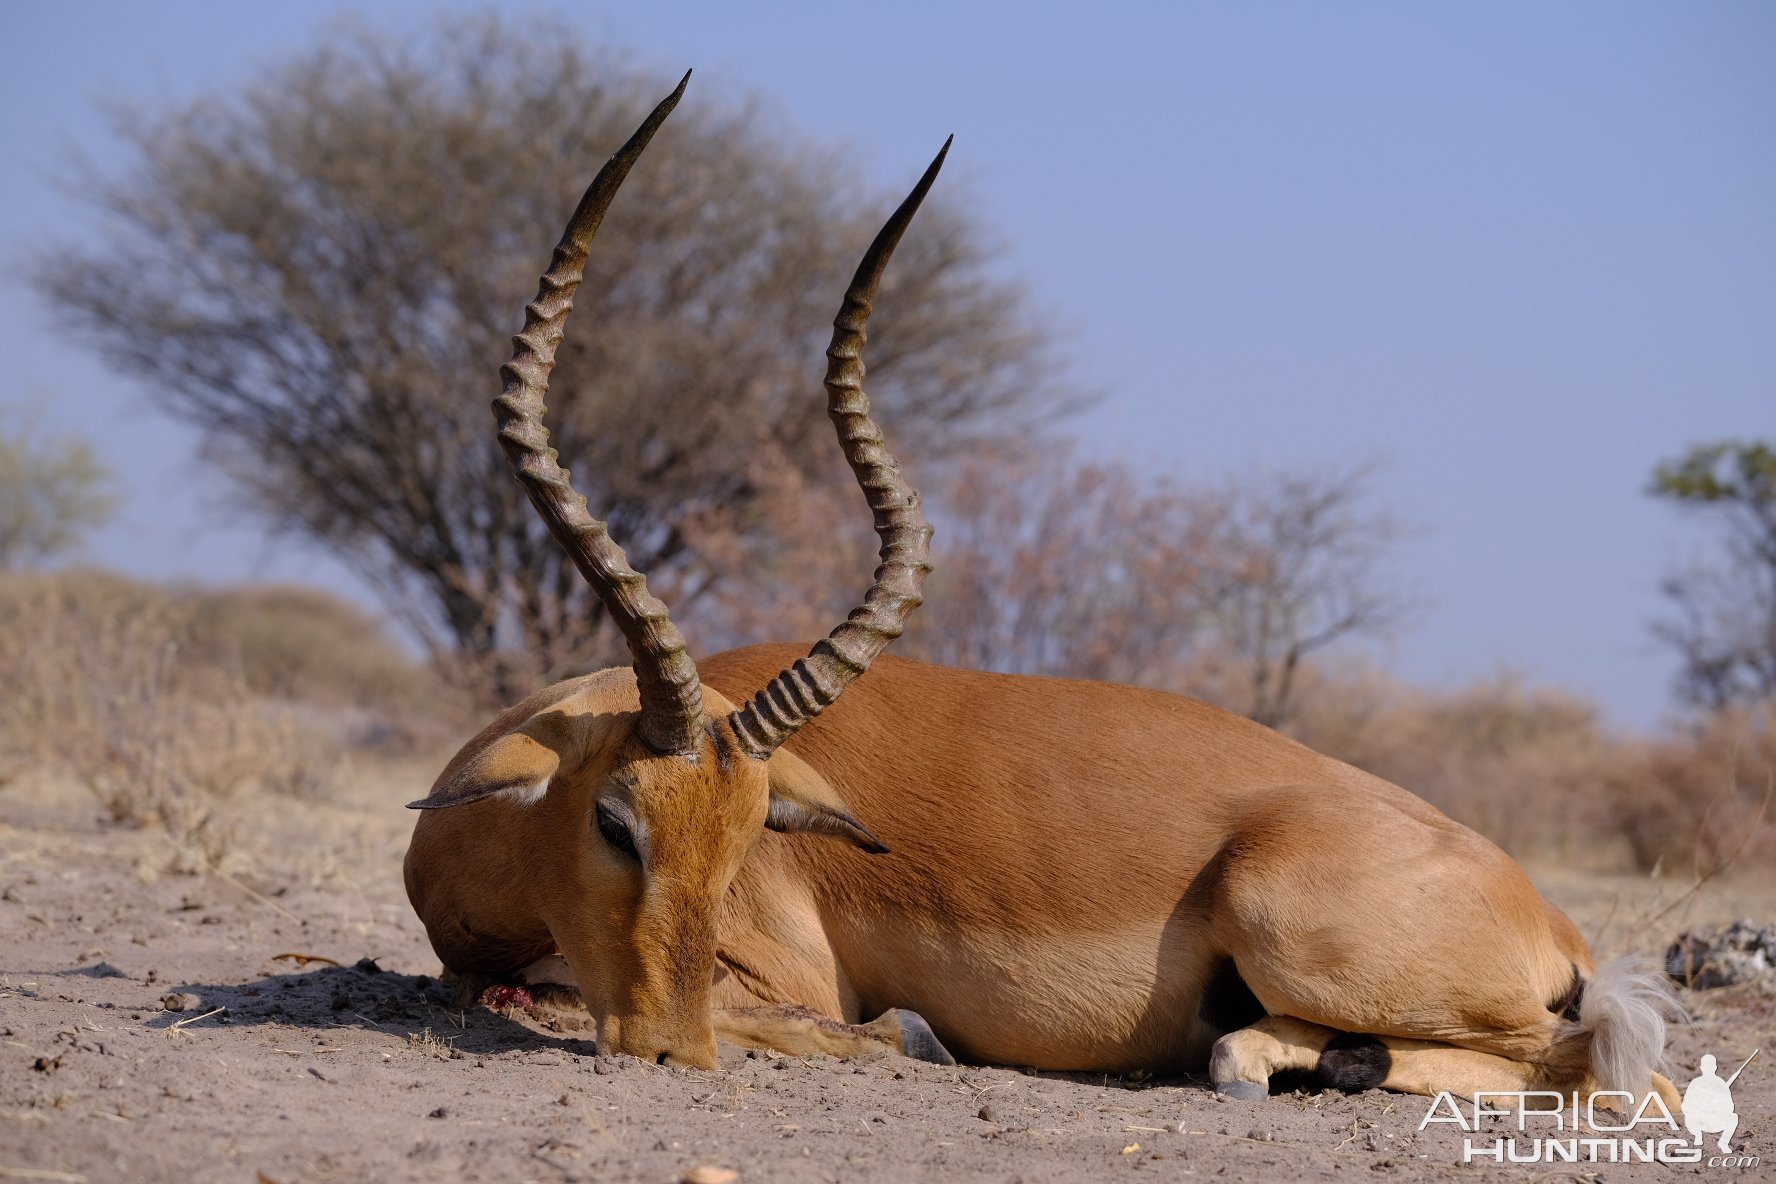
(1708, 1103)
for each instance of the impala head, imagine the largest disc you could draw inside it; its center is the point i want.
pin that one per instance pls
(606, 816)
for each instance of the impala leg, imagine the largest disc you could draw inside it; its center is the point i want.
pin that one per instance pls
(802, 1031)
(781, 1027)
(1243, 1062)
(1428, 1068)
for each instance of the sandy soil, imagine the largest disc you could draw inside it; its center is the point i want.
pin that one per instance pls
(357, 1069)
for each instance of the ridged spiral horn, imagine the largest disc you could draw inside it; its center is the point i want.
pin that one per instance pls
(807, 688)
(671, 697)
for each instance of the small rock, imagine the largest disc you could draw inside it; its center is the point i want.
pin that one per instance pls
(1741, 952)
(366, 966)
(440, 1112)
(989, 1113)
(180, 1001)
(1261, 1136)
(705, 1174)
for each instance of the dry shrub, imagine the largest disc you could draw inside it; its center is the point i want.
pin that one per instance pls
(165, 703)
(1702, 801)
(1534, 770)
(303, 644)
(1506, 758)
(1042, 565)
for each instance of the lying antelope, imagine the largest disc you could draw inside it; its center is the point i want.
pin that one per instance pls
(1025, 871)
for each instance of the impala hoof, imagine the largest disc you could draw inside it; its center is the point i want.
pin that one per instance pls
(918, 1041)
(1245, 1091)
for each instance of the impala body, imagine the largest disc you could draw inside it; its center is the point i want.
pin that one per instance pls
(1015, 870)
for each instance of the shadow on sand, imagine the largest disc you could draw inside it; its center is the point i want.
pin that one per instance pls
(407, 1007)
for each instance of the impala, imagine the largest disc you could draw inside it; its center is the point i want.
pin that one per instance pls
(1012, 870)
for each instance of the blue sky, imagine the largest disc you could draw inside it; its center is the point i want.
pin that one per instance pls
(1518, 252)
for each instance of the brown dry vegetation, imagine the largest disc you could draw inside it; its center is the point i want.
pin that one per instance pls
(176, 707)
(179, 707)
(1536, 770)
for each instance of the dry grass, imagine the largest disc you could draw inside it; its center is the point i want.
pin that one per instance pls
(1535, 770)
(172, 706)
(179, 708)
(430, 1044)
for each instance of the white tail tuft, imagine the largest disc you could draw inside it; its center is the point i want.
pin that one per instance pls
(1624, 1009)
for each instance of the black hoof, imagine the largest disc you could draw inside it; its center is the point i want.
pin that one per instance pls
(918, 1041)
(1245, 1091)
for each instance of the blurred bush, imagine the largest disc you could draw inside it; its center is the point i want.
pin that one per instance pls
(164, 701)
(1535, 770)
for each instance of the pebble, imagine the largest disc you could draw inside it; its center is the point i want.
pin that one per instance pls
(181, 1001)
(989, 1113)
(705, 1174)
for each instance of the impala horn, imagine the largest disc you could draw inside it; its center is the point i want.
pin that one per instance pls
(671, 696)
(810, 686)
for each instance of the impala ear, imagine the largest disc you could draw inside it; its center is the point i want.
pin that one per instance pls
(516, 763)
(802, 803)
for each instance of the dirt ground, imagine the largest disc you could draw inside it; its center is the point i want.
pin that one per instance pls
(351, 1065)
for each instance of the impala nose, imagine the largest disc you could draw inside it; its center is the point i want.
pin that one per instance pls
(685, 1059)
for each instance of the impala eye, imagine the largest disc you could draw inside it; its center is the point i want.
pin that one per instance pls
(616, 828)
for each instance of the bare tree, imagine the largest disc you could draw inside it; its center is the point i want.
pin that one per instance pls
(1052, 566)
(1724, 622)
(1056, 567)
(320, 272)
(1302, 567)
(53, 492)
